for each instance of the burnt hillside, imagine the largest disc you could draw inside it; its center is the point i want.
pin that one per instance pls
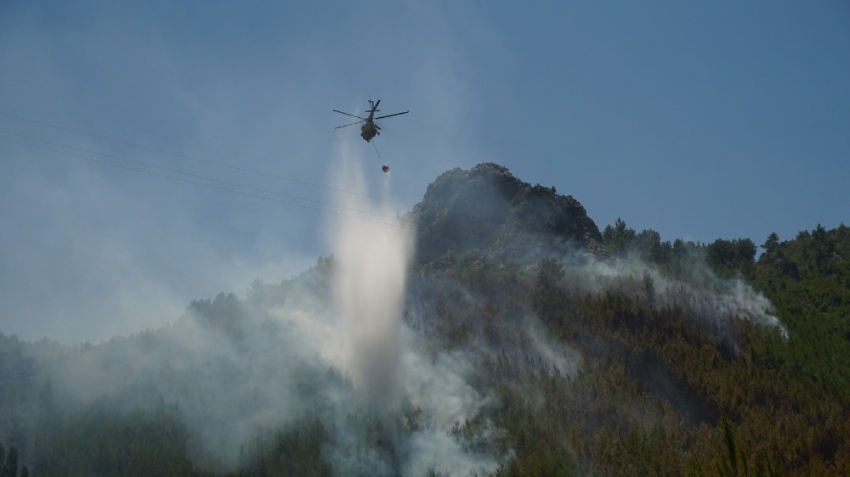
(486, 208)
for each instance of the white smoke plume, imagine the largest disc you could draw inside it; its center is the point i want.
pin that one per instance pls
(711, 299)
(373, 257)
(349, 344)
(330, 345)
(383, 357)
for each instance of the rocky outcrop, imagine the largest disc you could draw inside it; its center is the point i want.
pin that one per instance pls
(486, 208)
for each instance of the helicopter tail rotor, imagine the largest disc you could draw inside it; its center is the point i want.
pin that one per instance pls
(373, 106)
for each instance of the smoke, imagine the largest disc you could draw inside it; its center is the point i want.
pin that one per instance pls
(397, 368)
(711, 300)
(329, 345)
(370, 283)
(420, 397)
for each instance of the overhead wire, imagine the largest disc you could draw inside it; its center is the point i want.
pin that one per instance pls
(397, 221)
(175, 171)
(199, 159)
(211, 186)
(229, 166)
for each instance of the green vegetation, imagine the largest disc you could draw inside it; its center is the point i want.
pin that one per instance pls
(652, 378)
(9, 463)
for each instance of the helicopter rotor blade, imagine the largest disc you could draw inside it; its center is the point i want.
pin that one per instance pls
(391, 115)
(352, 115)
(350, 124)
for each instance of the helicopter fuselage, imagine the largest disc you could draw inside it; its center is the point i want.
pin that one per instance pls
(368, 130)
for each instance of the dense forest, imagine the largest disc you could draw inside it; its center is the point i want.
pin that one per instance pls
(661, 358)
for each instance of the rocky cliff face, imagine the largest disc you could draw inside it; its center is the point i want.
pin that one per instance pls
(486, 208)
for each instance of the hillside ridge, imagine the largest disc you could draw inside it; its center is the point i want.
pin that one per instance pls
(486, 208)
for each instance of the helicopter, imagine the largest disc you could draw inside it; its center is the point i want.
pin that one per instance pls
(369, 129)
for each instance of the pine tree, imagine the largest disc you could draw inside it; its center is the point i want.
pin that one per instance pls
(11, 467)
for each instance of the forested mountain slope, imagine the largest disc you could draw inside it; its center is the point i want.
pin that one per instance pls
(487, 209)
(615, 353)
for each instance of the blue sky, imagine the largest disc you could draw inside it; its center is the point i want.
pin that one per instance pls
(700, 120)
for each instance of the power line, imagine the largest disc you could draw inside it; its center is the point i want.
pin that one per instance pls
(198, 159)
(220, 164)
(211, 186)
(399, 222)
(233, 184)
(189, 174)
